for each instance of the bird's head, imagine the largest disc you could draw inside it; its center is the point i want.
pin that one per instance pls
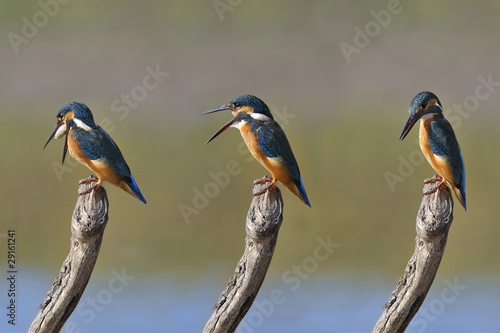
(245, 107)
(72, 114)
(425, 104)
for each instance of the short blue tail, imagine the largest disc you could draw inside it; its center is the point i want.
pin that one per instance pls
(133, 186)
(462, 193)
(303, 193)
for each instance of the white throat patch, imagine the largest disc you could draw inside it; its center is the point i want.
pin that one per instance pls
(81, 124)
(259, 116)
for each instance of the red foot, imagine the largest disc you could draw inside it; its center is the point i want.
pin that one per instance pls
(91, 179)
(269, 188)
(95, 187)
(442, 185)
(265, 180)
(433, 180)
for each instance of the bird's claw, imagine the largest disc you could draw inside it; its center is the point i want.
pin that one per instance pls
(433, 180)
(95, 187)
(442, 185)
(269, 188)
(91, 179)
(264, 180)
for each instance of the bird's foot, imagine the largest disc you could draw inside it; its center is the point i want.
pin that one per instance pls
(93, 188)
(269, 188)
(433, 180)
(91, 179)
(442, 185)
(264, 180)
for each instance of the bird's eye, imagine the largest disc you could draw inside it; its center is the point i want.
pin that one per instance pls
(237, 104)
(424, 105)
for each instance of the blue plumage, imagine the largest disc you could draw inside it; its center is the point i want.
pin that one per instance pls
(80, 111)
(92, 146)
(438, 143)
(133, 186)
(98, 145)
(421, 100)
(444, 143)
(266, 140)
(256, 103)
(274, 144)
(302, 192)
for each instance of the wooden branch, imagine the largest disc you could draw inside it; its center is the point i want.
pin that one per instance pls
(433, 223)
(262, 226)
(87, 226)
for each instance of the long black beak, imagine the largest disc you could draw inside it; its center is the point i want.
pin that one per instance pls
(414, 117)
(65, 147)
(220, 108)
(53, 133)
(225, 127)
(409, 124)
(59, 124)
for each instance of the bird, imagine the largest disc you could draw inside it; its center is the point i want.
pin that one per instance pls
(90, 145)
(267, 142)
(438, 143)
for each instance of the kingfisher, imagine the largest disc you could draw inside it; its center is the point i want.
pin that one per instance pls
(90, 145)
(438, 143)
(267, 142)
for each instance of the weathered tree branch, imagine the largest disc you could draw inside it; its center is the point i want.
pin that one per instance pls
(87, 226)
(433, 223)
(262, 226)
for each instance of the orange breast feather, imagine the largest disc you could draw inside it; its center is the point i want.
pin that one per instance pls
(273, 165)
(102, 170)
(438, 163)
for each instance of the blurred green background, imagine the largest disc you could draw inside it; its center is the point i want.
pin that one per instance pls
(342, 114)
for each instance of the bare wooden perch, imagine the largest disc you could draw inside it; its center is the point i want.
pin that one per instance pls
(262, 226)
(433, 223)
(87, 226)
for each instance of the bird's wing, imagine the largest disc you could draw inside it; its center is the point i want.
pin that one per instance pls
(96, 144)
(443, 142)
(274, 144)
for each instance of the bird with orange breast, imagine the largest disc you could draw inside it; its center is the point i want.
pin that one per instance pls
(266, 141)
(90, 145)
(438, 143)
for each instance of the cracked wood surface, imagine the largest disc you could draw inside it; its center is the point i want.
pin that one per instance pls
(434, 219)
(87, 227)
(262, 226)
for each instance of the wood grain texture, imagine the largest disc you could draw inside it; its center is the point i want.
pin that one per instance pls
(262, 226)
(434, 219)
(87, 226)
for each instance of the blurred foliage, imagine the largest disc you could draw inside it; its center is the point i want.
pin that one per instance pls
(343, 164)
(348, 117)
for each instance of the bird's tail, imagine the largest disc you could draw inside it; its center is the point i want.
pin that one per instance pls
(298, 189)
(460, 193)
(133, 189)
